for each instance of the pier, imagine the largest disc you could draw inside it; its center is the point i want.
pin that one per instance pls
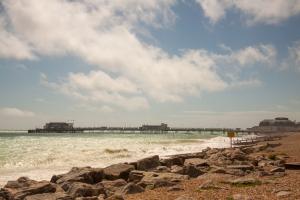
(62, 127)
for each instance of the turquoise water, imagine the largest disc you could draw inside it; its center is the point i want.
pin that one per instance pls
(39, 156)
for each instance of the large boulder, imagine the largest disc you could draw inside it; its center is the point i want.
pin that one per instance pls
(177, 169)
(155, 180)
(245, 182)
(24, 186)
(197, 162)
(117, 171)
(132, 188)
(241, 167)
(85, 175)
(112, 187)
(148, 163)
(219, 159)
(235, 154)
(5, 195)
(78, 189)
(175, 160)
(135, 176)
(192, 171)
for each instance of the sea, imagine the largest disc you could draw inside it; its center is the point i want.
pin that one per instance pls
(39, 156)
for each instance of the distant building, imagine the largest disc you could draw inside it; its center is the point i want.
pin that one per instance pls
(276, 125)
(161, 127)
(58, 127)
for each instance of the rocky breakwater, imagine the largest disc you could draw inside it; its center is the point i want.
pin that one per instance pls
(116, 181)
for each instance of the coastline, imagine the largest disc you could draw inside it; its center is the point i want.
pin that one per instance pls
(43, 156)
(177, 176)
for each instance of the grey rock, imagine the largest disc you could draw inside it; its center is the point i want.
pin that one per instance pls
(115, 197)
(196, 162)
(218, 170)
(177, 169)
(175, 188)
(117, 171)
(148, 163)
(85, 175)
(112, 187)
(207, 185)
(132, 188)
(155, 180)
(23, 187)
(136, 176)
(177, 160)
(192, 171)
(162, 169)
(277, 169)
(78, 189)
(279, 174)
(245, 181)
(283, 194)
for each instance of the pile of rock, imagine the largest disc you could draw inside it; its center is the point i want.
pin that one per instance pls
(117, 180)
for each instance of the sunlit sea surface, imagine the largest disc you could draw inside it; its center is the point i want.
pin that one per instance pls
(39, 156)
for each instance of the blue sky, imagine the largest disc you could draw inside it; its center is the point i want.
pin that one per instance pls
(199, 63)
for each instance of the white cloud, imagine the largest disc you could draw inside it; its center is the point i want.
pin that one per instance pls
(294, 55)
(250, 55)
(15, 112)
(11, 46)
(263, 54)
(255, 11)
(129, 72)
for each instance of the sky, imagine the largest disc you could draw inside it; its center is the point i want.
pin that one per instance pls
(188, 63)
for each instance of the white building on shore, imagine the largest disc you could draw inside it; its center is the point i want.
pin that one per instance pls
(279, 124)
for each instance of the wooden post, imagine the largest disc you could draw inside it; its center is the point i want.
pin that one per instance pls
(231, 135)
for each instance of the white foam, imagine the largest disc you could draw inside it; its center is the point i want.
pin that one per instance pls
(39, 157)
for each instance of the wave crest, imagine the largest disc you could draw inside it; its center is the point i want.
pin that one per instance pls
(113, 151)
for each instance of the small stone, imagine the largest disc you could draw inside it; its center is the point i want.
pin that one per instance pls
(162, 169)
(245, 181)
(218, 170)
(277, 169)
(177, 169)
(115, 197)
(263, 173)
(283, 194)
(207, 185)
(279, 174)
(240, 197)
(185, 197)
(175, 188)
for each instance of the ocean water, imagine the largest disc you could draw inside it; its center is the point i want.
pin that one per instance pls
(39, 156)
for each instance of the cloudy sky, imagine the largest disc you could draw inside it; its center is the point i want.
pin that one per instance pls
(200, 63)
